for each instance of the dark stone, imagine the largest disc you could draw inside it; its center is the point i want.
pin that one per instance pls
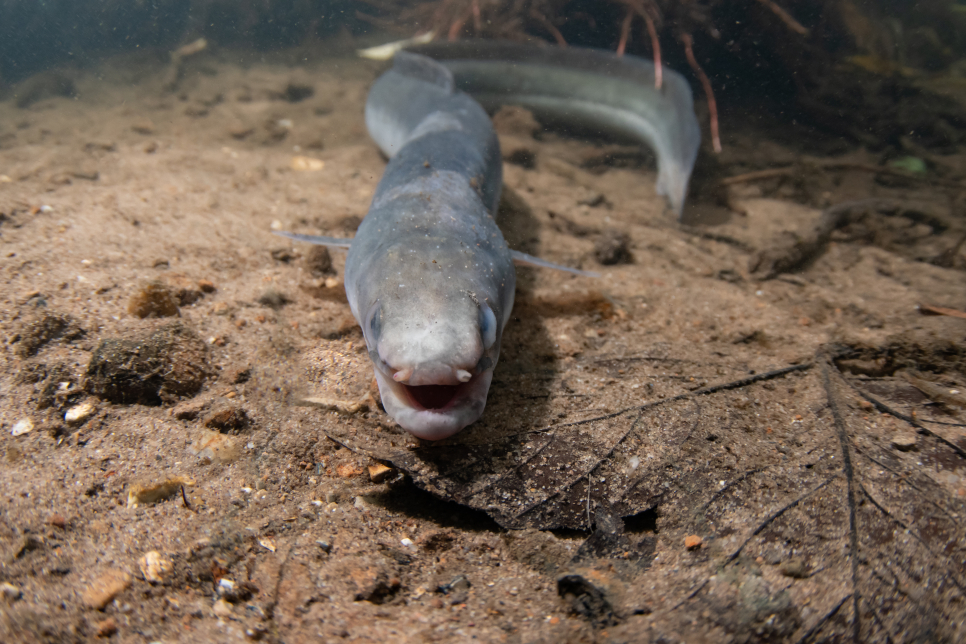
(587, 600)
(318, 261)
(295, 93)
(273, 299)
(149, 369)
(613, 247)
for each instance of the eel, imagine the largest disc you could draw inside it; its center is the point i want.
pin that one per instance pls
(584, 90)
(429, 276)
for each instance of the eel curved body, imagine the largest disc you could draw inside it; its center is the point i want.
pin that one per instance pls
(428, 275)
(585, 90)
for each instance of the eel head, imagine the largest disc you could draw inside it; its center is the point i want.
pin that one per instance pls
(434, 360)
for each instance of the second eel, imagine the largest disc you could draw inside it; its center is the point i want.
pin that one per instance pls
(428, 276)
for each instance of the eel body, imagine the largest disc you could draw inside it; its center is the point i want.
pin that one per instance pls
(585, 90)
(428, 275)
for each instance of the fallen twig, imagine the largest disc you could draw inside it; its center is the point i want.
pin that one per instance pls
(771, 173)
(772, 262)
(946, 258)
(841, 431)
(926, 309)
(184, 499)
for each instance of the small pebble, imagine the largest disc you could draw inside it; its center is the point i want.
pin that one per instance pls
(105, 588)
(138, 495)
(222, 608)
(379, 472)
(613, 247)
(154, 567)
(207, 286)
(274, 299)
(794, 568)
(154, 299)
(904, 442)
(10, 592)
(692, 542)
(106, 628)
(307, 164)
(319, 261)
(79, 414)
(23, 426)
(226, 587)
(57, 521)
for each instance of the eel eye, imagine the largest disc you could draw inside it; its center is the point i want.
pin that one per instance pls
(487, 325)
(373, 325)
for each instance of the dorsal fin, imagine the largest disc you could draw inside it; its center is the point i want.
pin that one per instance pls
(423, 68)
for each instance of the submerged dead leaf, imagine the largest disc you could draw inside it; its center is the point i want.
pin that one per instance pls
(759, 474)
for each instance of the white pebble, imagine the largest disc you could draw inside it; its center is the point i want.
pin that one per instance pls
(23, 426)
(79, 413)
(406, 541)
(226, 586)
(9, 591)
(154, 567)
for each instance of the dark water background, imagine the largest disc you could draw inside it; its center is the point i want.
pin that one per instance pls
(851, 73)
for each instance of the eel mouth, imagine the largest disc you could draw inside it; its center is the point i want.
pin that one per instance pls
(434, 412)
(434, 397)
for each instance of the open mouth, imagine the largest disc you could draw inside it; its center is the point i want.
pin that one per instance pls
(435, 397)
(433, 412)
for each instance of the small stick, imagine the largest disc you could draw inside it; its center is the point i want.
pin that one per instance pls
(926, 309)
(709, 93)
(756, 175)
(184, 498)
(772, 262)
(837, 165)
(948, 256)
(786, 17)
(625, 32)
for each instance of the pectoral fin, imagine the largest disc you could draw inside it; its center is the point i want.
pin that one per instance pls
(331, 242)
(529, 260)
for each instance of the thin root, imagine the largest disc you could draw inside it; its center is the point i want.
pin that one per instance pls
(658, 76)
(708, 92)
(785, 17)
(542, 19)
(625, 32)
